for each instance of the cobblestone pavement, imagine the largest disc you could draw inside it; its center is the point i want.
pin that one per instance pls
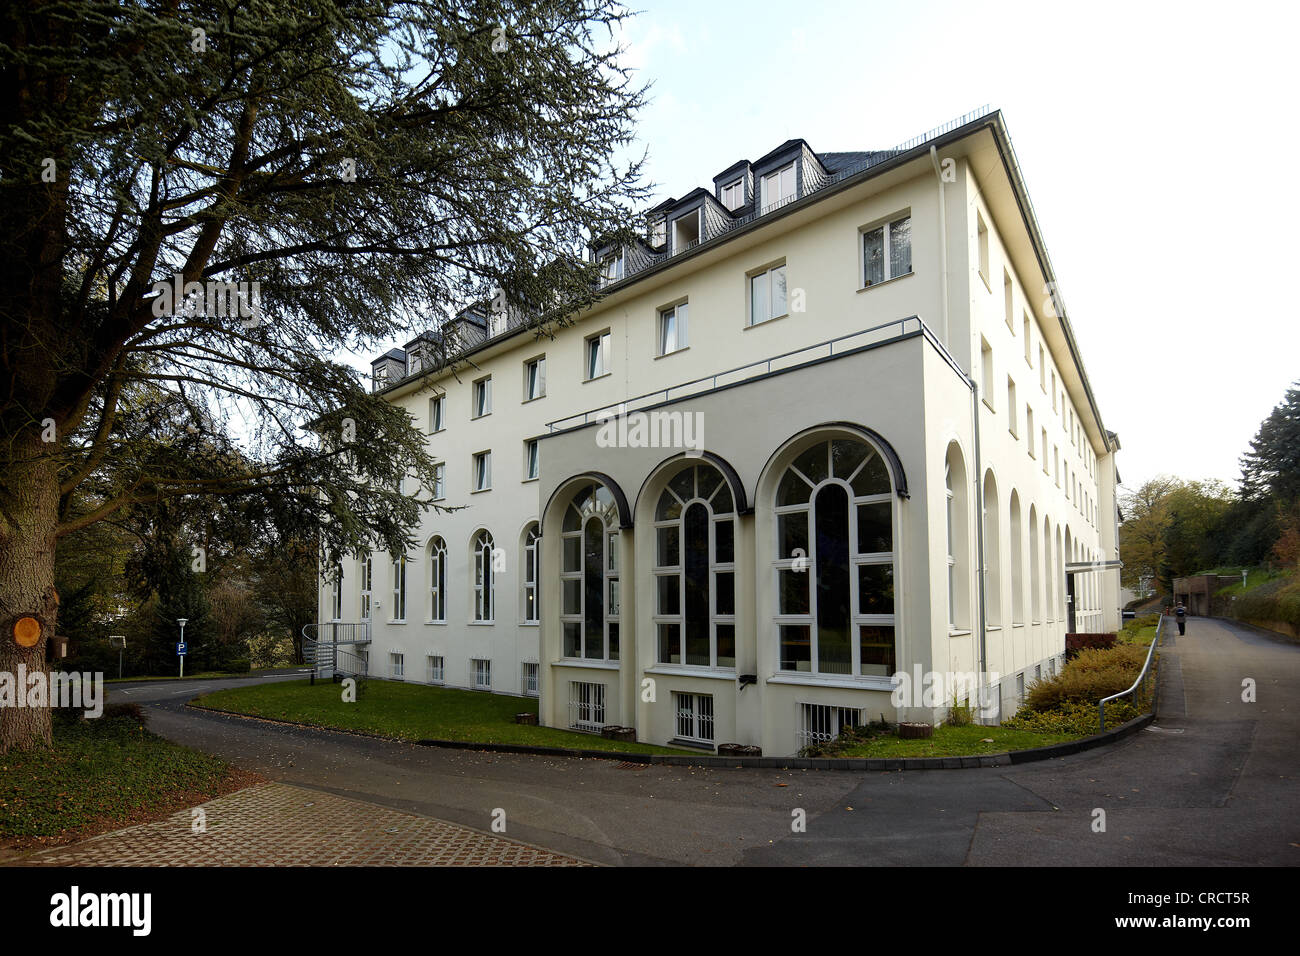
(275, 824)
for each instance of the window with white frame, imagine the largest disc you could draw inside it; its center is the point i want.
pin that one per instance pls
(481, 673)
(777, 186)
(366, 576)
(532, 551)
(397, 666)
(535, 378)
(586, 705)
(835, 562)
(589, 582)
(484, 589)
(336, 597)
(611, 268)
(528, 678)
(483, 471)
(437, 408)
(483, 397)
(598, 357)
(695, 571)
(1042, 369)
(986, 371)
(822, 723)
(439, 487)
(658, 231)
(1013, 409)
(694, 717)
(982, 237)
(887, 251)
(767, 295)
(672, 328)
(399, 588)
(1029, 335)
(733, 194)
(437, 579)
(952, 559)
(531, 461)
(434, 665)
(1008, 297)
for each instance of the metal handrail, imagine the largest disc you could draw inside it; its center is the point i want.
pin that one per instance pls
(1143, 676)
(907, 326)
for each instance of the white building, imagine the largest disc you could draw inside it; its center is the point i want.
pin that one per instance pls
(861, 389)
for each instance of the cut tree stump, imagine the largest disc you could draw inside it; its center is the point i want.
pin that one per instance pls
(915, 731)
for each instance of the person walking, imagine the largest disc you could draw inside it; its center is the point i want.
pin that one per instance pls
(1180, 613)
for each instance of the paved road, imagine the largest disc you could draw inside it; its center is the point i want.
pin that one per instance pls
(1213, 781)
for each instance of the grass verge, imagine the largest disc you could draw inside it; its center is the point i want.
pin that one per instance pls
(410, 712)
(102, 774)
(969, 741)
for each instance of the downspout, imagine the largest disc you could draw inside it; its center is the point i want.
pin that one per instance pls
(943, 245)
(979, 540)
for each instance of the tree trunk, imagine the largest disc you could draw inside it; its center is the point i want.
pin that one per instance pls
(28, 521)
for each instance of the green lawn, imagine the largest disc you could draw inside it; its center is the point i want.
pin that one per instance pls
(410, 712)
(1254, 578)
(953, 742)
(102, 773)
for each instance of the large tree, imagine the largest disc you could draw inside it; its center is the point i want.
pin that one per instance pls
(371, 165)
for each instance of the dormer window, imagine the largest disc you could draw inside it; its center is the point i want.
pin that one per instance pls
(686, 232)
(611, 268)
(778, 186)
(733, 194)
(381, 376)
(658, 232)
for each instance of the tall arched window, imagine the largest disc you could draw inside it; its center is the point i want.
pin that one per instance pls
(695, 570)
(336, 593)
(366, 567)
(1049, 573)
(1016, 544)
(992, 552)
(484, 591)
(529, 594)
(399, 588)
(835, 561)
(437, 580)
(589, 611)
(1035, 569)
(954, 476)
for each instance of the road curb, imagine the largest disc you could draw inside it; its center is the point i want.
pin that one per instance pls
(886, 764)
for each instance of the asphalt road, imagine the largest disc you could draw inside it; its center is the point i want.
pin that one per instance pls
(1212, 782)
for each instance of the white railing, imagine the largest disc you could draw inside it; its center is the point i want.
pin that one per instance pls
(586, 705)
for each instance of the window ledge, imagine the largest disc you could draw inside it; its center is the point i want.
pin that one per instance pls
(692, 744)
(877, 285)
(476, 491)
(757, 325)
(958, 632)
(989, 405)
(524, 481)
(597, 378)
(985, 280)
(872, 682)
(530, 624)
(683, 670)
(993, 627)
(402, 621)
(535, 398)
(592, 665)
(439, 623)
(481, 623)
(684, 348)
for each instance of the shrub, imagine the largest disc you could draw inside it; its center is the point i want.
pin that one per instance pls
(1071, 717)
(1092, 675)
(127, 711)
(240, 665)
(1074, 643)
(959, 715)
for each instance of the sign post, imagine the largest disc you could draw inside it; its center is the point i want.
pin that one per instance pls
(118, 641)
(180, 648)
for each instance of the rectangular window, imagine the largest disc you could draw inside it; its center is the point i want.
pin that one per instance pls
(694, 717)
(399, 589)
(767, 298)
(530, 459)
(435, 669)
(439, 487)
(1029, 429)
(483, 471)
(983, 236)
(672, 328)
(1055, 407)
(733, 194)
(528, 678)
(611, 268)
(887, 251)
(986, 367)
(586, 705)
(658, 231)
(598, 358)
(482, 673)
(436, 408)
(822, 723)
(1042, 370)
(535, 378)
(1046, 462)
(1029, 355)
(777, 187)
(397, 666)
(1056, 457)
(1012, 408)
(483, 397)
(1008, 298)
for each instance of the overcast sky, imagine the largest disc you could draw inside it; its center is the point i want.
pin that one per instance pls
(1158, 142)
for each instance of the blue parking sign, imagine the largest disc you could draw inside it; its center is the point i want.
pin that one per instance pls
(180, 649)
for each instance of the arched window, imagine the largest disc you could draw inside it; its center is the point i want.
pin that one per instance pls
(695, 570)
(589, 575)
(529, 596)
(992, 551)
(484, 592)
(835, 562)
(1049, 572)
(399, 588)
(1016, 544)
(954, 476)
(366, 567)
(1035, 569)
(437, 580)
(336, 595)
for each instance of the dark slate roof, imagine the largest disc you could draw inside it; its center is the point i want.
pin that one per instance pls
(396, 354)
(834, 162)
